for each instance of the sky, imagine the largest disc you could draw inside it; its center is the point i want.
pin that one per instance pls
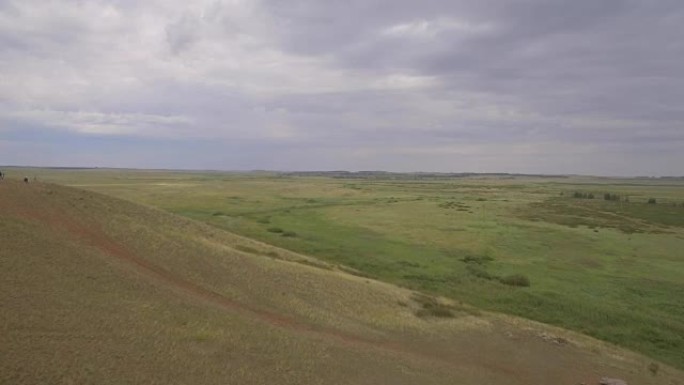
(520, 86)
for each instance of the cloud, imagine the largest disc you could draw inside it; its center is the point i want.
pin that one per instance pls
(518, 85)
(107, 124)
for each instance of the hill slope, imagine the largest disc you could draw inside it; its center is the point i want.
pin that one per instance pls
(98, 290)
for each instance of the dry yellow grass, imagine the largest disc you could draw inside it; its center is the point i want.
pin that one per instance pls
(98, 290)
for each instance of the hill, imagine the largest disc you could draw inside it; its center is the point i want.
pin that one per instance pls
(98, 290)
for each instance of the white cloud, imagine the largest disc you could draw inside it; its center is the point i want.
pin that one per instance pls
(108, 124)
(431, 28)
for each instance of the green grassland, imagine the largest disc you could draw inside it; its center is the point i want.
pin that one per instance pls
(520, 245)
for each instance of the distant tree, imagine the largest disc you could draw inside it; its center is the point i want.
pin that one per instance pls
(651, 201)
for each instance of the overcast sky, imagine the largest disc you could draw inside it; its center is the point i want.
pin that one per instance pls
(532, 86)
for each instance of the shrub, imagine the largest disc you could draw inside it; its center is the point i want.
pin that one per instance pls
(275, 230)
(515, 280)
(478, 260)
(478, 271)
(289, 234)
(653, 367)
(651, 201)
(582, 195)
(611, 197)
(431, 307)
(264, 220)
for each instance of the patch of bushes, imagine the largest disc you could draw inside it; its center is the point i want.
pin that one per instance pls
(476, 267)
(274, 230)
(407, 264)
(479, 272)
(653, 367)
(652, 201)
(431, 307)
(515, 280)
(582, 195)
(218, 213)
(289, 234)
(453, 205)
(264, 220)
(611, 197)
(480, 260)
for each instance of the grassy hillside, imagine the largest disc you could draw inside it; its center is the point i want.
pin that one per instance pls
(99, 290)
(611, 269)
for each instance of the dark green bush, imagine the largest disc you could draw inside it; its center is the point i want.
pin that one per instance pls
(431, 307)
(515, 280)
(478, 271)
(480, 260)
(275, 230)
(289, 234)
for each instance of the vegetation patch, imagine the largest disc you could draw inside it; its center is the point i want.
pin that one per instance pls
(431, 307)
(453, 205)
(515, 280)
(246, 249)
(479, 259)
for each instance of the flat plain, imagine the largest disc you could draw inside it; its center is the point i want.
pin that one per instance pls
(534, 247)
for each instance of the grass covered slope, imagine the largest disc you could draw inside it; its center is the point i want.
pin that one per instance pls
(613, 269)
(99, 290)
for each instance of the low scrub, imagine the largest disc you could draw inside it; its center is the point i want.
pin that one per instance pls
(479, 272)
(274, 230)
(431, 307)
(479, 260)
(515, 280)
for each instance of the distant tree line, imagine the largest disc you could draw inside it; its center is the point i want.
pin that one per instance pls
(583, 195)
(610, 197)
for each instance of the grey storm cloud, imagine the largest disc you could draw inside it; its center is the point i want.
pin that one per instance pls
(508, 85)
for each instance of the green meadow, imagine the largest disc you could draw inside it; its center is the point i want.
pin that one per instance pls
(611, 267)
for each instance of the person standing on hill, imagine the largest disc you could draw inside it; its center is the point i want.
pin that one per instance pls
(2, 176)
